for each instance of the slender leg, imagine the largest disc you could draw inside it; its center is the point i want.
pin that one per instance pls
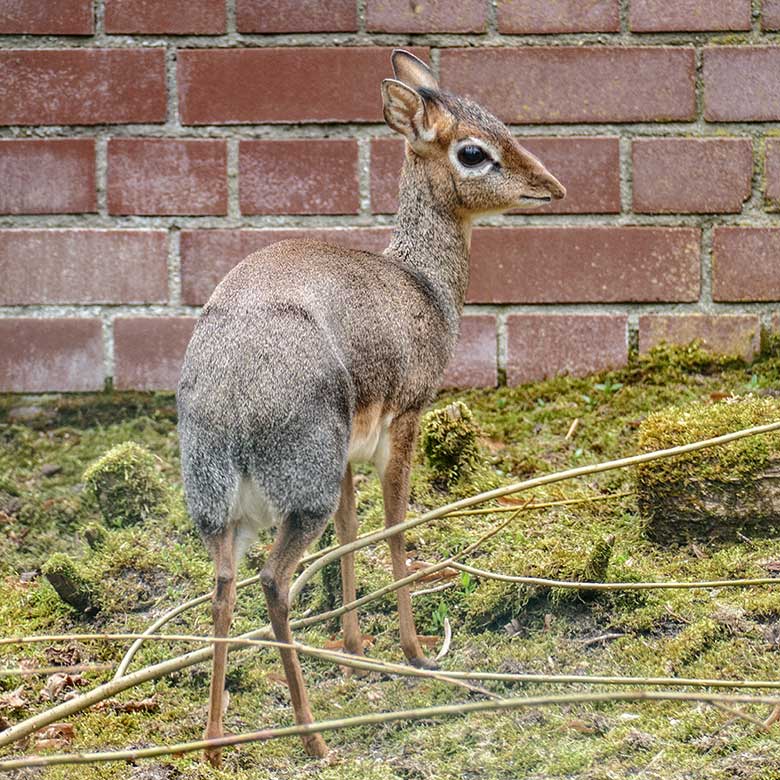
(223, 600)
(346, 524)
(395, 491)
(290, 543)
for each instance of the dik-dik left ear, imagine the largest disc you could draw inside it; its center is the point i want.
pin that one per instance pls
(413, 71)
(406, 113)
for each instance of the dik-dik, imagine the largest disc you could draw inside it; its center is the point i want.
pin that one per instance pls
(310, 357)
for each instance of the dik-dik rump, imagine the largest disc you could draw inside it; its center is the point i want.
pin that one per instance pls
(310, 357)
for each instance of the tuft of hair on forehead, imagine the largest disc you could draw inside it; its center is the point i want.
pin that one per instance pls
(467, 112)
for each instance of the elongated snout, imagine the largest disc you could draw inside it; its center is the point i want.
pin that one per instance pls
(553, 186)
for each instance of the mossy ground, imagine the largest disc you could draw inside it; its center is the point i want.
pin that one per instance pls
(140, 571)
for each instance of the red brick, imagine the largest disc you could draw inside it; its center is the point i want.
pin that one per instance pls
(746, 264)
(689, 15)
(148, 351)
(558, 16)
(728, 334)
(691, 175)
(83, 266)
(43, 17)
(589, 166)
(770, 14)
(584, 264)
(742, 83)
(556, 84)
(233, 86)
(166, 176)
(53, 176)
(39, 355)
(82, 86)
(474, 362)
(300, 176)
(426, 16)
(280, 16)
(174, 17)
(772, 174)
(545, 345)
(207, 255)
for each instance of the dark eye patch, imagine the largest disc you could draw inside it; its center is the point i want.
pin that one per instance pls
(472, 155)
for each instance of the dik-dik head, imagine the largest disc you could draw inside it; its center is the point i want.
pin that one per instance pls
(471, 160)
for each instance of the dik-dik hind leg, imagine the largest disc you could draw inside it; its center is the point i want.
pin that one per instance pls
(222, 548)
(346, 524)
(395, 491)
(288, 548)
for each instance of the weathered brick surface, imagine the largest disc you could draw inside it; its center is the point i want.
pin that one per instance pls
(306, 176)
(82, 86)
(729, 334)
(54, 176)
(83, 266)
(691, 175)
(772, 174)
(746, 264)
(742, 83)
(221, 86)
(584, 264)
(174, 17)
(283, 16)
(420, 16)
(558, 16)
(207, 255)
(474, 363)
(770, 14)
(148, 351)
(689, 15)
(576, 84)
(40, 355)
(545, 345)
(44, 17)
(589, 168)
(167, 176)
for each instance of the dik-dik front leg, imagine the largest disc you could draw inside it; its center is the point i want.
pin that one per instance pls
(395, 491)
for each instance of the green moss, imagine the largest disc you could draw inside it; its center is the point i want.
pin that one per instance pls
(126, 485)
(67, 579)
(449, 443)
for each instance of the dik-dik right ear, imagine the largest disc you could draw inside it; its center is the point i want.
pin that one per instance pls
(406, 113)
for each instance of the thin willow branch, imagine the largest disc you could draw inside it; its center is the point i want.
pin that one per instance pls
(573, 584)
(23, 671)
(490, 510)
(374, 664)
(379, 718)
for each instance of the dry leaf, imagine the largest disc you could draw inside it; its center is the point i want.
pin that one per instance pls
(4, 723)
(446, 573)
(338, 644)
(13, 700)
(57, 731)
(720, 396)
(428, 641)
(60, 682)
(276, 677)
(49, 744)
(579, 725)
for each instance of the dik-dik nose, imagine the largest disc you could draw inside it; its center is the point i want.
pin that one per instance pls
(552, 185)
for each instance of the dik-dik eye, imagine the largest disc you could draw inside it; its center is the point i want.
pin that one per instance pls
(472, 155)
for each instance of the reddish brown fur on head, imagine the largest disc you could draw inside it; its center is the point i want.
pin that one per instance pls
(472, 158)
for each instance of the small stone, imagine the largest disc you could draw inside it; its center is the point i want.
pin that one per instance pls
(50, 469)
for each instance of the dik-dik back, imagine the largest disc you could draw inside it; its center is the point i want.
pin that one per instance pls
(302, 348)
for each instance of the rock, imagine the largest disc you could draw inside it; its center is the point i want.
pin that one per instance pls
(50, 469)
(721, 492)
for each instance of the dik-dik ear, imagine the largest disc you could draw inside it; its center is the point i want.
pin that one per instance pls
(413, 71)
(405, 112)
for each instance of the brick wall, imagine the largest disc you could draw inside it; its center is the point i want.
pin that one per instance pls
(146, 147)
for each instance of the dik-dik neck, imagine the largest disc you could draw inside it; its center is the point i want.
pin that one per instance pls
(431, 237)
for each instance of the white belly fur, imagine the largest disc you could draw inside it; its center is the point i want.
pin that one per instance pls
(369, 441)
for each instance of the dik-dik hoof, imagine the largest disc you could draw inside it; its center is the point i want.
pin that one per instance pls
(214, 757)
(421, 662)
(315, 746)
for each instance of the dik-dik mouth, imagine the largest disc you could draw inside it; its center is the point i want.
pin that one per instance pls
(533, 201)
